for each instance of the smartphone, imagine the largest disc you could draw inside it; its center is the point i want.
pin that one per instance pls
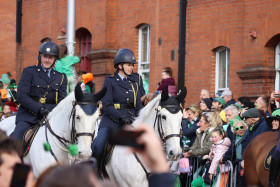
(20, 175)
(126, 138)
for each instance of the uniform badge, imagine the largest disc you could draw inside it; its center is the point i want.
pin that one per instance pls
(48, 49)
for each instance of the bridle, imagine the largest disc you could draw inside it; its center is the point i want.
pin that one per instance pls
(74, 134)
(163, 138)
(158, 123)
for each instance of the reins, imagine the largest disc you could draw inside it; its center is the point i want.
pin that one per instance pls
(164, 138)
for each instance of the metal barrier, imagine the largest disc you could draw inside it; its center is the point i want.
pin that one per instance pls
(232, 173)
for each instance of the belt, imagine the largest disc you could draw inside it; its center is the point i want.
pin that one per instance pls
(123, 106)
(43, 100)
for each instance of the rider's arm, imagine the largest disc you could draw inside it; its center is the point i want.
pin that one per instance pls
(107, 102)
(62, 93)
(23, 93)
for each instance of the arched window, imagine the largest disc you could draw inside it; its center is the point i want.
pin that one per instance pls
(222, 69)
(144, 55)
(277, 67)
(85, 43)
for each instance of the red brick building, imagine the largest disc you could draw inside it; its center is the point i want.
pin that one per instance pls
(230, 44)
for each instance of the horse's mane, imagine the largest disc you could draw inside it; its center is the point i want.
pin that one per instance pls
(147, 110)
(61, 104)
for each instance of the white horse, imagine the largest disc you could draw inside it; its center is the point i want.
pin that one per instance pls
(79, 108)
(123, 168)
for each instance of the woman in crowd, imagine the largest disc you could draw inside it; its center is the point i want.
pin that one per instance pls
(191, 117)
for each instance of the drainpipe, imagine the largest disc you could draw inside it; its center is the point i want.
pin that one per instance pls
(70, 32)
(18, 39)
(182, 40)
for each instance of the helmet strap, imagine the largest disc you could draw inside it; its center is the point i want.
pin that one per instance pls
(124, 70)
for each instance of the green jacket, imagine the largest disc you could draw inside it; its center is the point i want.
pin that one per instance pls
(197, 150)
(64, 65)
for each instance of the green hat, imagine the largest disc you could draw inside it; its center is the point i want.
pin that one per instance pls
(275, 116)
(5, 79)
(220, 100)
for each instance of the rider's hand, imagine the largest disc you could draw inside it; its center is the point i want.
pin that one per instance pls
(43, 111)
(125, 120)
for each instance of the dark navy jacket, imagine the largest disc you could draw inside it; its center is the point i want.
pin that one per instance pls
(260, 127)
(120, 92)
(190, 132)
(34, 83)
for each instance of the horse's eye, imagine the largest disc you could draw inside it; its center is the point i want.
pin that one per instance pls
(163, 117)
(77, 117)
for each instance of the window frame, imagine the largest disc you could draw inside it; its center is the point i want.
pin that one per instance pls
(277, 67)
(217, 69)
(140, 49)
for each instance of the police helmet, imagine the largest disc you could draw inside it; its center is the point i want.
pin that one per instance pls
(124, 56)
(49, 48)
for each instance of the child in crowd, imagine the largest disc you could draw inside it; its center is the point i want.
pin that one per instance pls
(167, 79)
(220, 145)
(6, 112)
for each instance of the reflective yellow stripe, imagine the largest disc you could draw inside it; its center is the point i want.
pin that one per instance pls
(134, 93)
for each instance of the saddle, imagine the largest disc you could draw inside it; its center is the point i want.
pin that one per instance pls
(267, 160)
(28, 138)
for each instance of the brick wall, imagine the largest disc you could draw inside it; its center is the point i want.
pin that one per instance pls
(210, 24)
(8, 37)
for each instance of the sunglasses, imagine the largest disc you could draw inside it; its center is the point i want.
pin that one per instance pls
(237, 128)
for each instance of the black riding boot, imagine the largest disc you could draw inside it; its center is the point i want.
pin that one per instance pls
(273, 172)
(99, 164)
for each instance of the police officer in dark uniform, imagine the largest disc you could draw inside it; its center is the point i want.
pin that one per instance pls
(40, 89)
(122, 101)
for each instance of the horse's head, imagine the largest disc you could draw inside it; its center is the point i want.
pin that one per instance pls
(85, 114)
(170, 115)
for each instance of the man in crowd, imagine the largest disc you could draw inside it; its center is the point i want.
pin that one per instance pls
(262, 104)
(9, 157)
(40, 89)
(204, 94)
(218, 103)
(227, 96)
(256, 125)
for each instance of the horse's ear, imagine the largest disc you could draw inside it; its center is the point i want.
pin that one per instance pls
(78, 92)
(164, 93)
(98, 96)
(182, 94)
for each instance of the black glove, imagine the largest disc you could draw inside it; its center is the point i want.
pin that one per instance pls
(125, 120)
(203, 162)
(43, 111)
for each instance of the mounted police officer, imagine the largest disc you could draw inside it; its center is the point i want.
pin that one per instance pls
(40, 89)
(122, 101)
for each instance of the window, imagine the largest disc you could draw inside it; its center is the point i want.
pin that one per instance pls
(222, 69)
(144, 55)
(85, 47)
(277, 67)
